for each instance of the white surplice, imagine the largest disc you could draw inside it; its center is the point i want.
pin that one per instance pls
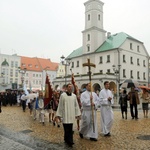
(86, 127)
(106, 110)
(68, 108)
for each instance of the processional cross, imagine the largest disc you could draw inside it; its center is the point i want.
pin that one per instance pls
(89, 65)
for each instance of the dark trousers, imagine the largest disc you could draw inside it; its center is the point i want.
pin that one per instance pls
(136, 111)
(23, 105)
(68, 133)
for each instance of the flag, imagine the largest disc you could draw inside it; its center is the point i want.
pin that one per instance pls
(76, 91)
(74, 84)
(48, 92)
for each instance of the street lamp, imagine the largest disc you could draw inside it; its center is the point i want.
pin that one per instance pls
(22, 72)
(116, 70)
(65, 62)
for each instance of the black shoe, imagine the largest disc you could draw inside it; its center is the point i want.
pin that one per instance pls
(108, 134)
(93, 139)
(81, 135)
(58, 126)
(43, 123)
(132, 117)
(136, 118)
(53, 123)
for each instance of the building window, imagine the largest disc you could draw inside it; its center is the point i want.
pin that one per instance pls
(16, 64)
(108, 58)
(88, 48)
(33, 75)
(40, 75)
(88, 17)
(138, 48)
(108, 70)
(124, 73)
(131, 60)
(16, 73)
(36, 81)
(131, 46)
(101, 60)
(16, 80)
(11, 80)
(12, 64)
(99, 17)
(144, 77)
(144, 63)
(88, 37)
(124, 58)
(72, 66)
(40, 82)
(77, 63)
(131, 74)
(11, 72)
(138, 75)
(138, 62)
(101, 71)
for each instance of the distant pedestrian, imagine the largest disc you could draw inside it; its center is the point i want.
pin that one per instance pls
(145, 100)
(106, 100)
(23, 101)
(68, 109)
(41, 107)
(123, 101)
(134, 101)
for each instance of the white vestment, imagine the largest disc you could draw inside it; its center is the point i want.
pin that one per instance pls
(68, 108)
(86, 127)
(106, 110)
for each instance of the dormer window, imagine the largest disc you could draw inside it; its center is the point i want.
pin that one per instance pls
(30, 65)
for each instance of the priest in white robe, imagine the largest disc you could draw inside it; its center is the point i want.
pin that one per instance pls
(106, 100)
(68, 109)
(86, 128)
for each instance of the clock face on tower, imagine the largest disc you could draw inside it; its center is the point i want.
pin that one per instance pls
(88, 7)
(99, 7)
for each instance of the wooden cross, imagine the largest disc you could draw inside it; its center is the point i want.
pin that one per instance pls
(89, 65)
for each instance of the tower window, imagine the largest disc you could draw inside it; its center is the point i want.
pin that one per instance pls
(99, 17)
(88, 48)
(88, 37)
(88, 16)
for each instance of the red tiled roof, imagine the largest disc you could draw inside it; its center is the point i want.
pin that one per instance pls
(37, 64)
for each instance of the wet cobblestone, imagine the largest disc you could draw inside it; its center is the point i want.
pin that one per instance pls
(124, 133)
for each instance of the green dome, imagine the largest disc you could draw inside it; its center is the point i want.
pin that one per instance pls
(5, 63)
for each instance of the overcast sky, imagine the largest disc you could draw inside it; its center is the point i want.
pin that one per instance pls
(50, 28)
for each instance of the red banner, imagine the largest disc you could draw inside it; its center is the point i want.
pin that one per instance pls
(48, 92)
(74, 84)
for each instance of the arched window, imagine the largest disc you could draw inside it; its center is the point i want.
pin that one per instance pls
(88, 16)
(99, 17)
(88, 37)
(88, 48)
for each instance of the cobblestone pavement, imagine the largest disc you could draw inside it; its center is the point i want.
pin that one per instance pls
(18, 131)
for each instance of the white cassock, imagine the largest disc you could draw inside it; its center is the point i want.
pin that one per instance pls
(86, 127)
(106, 110)
(68, 108)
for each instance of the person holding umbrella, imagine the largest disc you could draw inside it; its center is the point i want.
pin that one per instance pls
(134, 101)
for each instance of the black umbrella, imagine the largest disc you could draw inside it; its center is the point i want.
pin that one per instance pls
(128, 83)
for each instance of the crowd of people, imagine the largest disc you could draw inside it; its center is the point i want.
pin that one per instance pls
(65, 106)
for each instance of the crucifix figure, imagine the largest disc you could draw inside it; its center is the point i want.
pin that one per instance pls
(89, 65)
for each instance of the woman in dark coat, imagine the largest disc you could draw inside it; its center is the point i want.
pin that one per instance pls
(123, 101)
